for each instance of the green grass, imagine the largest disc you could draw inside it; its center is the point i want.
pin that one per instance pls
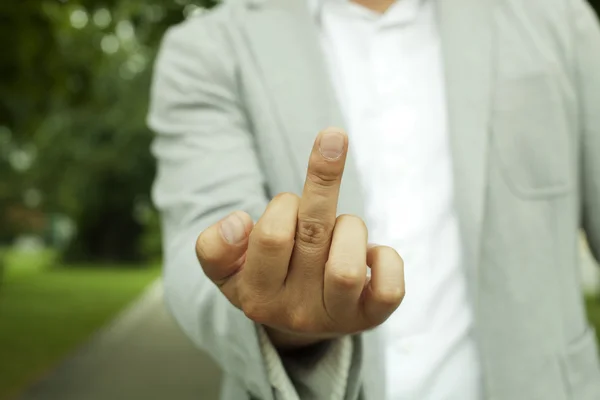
(46, 311)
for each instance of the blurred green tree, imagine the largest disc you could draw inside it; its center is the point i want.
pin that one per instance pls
(74, 80)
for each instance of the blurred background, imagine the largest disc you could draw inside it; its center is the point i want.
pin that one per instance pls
(81, 314)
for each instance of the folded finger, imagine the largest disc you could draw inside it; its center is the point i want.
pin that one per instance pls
(385, 289)
(346, 268)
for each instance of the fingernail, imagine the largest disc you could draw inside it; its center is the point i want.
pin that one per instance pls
(233, 229)
(331, 145)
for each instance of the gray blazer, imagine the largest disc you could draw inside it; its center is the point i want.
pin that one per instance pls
(238, 97)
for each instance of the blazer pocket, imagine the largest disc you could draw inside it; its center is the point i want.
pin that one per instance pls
(581, 367)
(531, 136)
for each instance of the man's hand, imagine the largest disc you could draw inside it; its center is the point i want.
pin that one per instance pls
(301, 272)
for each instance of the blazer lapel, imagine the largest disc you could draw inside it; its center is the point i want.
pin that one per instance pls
(282, 36)
(285, 43)
(467, 45)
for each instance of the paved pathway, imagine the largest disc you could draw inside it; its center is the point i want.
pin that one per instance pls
(141, 355)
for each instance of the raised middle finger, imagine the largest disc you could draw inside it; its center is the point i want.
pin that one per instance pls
(318, 204)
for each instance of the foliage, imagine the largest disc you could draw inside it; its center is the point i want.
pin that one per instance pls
(73, 98)
(74, 81)
(2, 269)
(593, 308)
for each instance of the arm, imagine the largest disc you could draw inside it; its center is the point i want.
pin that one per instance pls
(207, 168)
(587, 44)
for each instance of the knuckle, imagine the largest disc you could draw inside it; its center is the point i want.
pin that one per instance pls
(301, 321)
(392, 253)
(352, 220)
(399, 258)
(344, 277)
(255, 311)
(286, 197)
(272, 239)
(389, 297)
(313, 231)
(390, 250)
(322, 175)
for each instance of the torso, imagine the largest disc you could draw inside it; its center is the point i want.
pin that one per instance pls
(388, 72)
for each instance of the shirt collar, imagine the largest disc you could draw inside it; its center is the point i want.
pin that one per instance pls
(408, 13)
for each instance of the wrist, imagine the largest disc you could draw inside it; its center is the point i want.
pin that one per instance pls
(290, 342)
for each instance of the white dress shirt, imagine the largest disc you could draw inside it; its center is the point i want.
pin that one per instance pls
(389, 75)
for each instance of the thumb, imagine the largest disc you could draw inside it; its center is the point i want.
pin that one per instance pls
(221, 248)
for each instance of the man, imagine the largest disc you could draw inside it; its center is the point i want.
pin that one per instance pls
(473, 150)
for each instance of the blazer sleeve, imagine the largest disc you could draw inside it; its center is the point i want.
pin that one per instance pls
(206, 168)
(586, 41)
